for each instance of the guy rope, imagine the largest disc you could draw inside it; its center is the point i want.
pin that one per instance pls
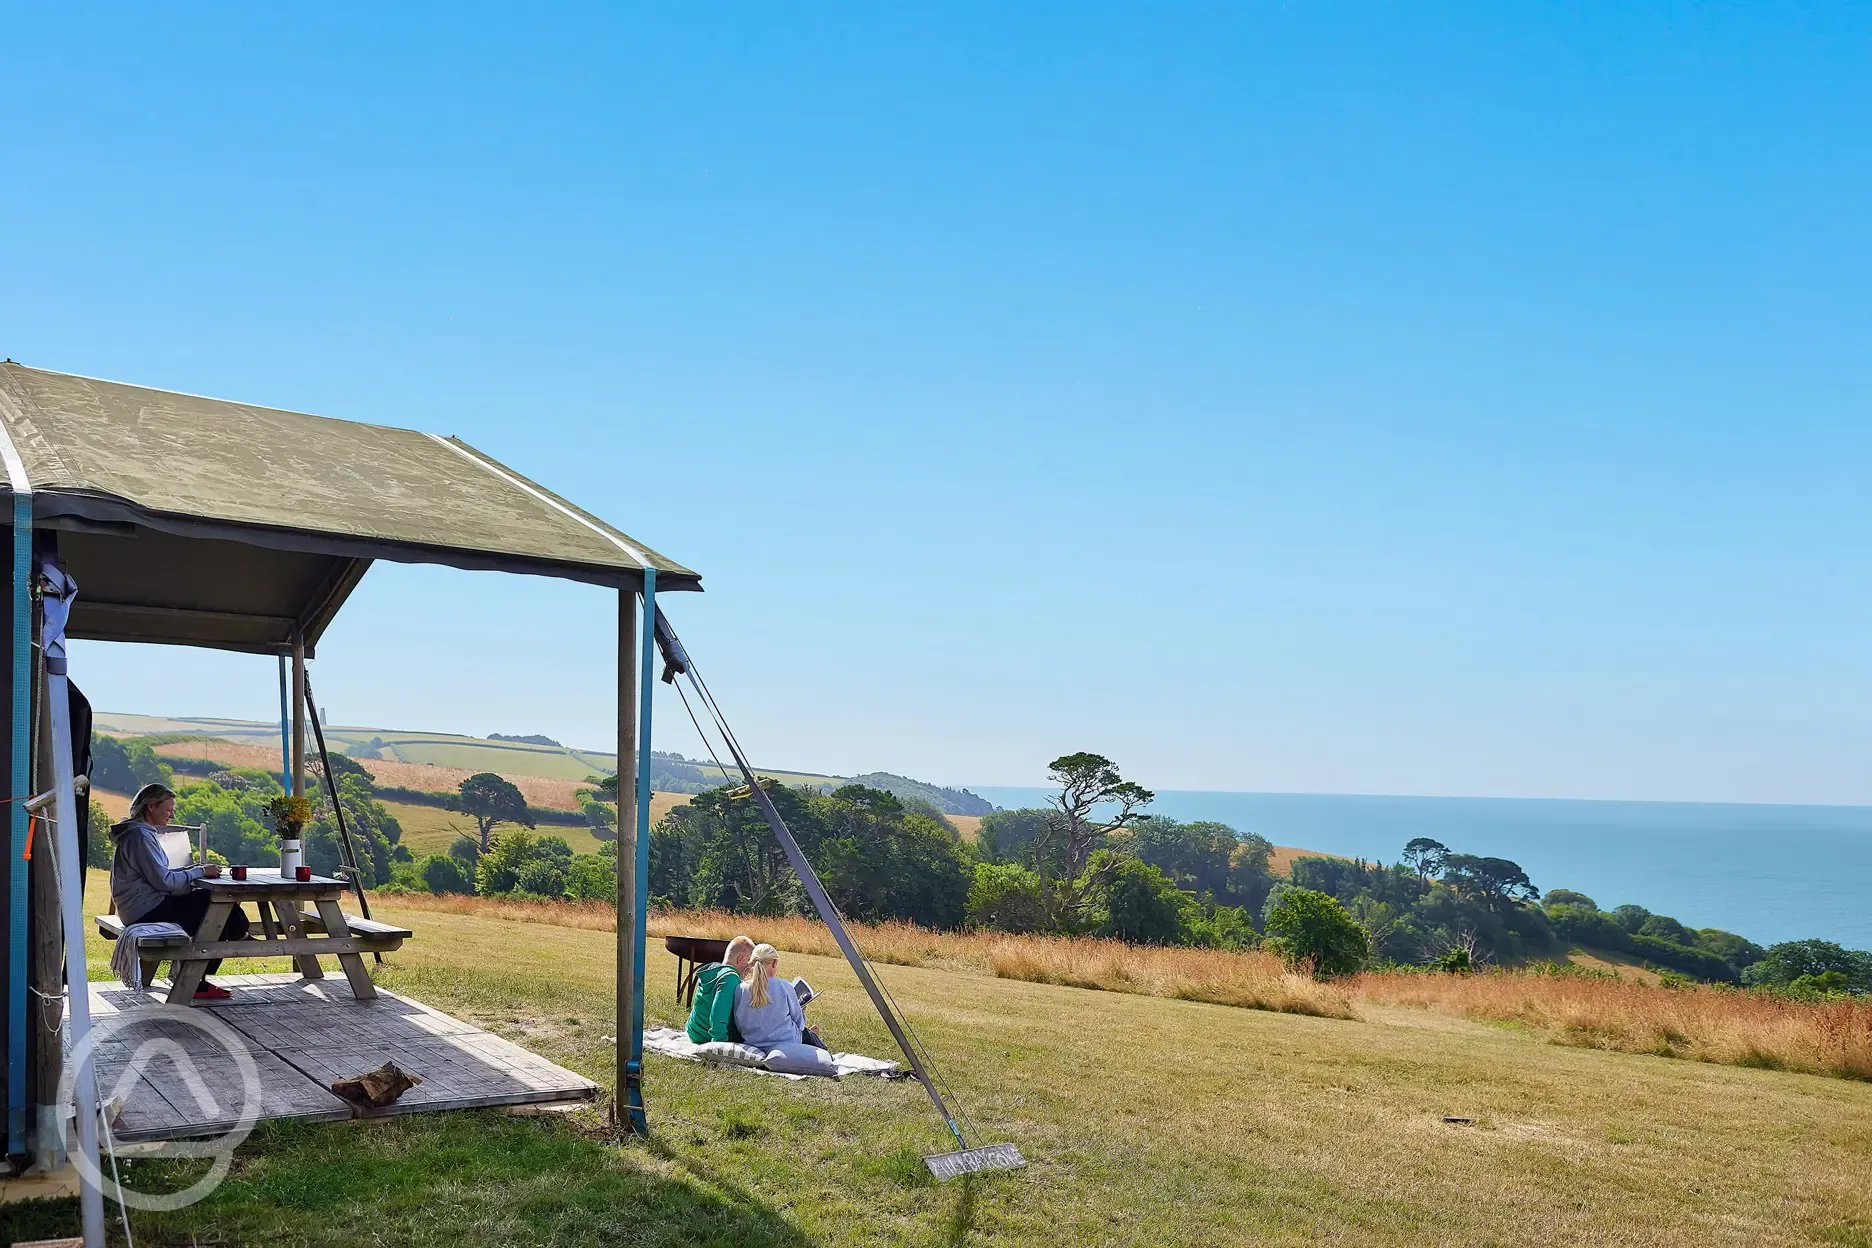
(967, 1158)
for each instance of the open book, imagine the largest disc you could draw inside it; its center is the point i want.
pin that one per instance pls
(804, 991)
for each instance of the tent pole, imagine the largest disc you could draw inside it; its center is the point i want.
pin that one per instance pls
(77, 989)
(45, 1012)
(285, 733)
(298, 713)
(640, 873)
(346, 846)
(23, 669)
(627, 1108)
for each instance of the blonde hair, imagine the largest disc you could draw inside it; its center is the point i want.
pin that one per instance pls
(765, 956)
(740, 944)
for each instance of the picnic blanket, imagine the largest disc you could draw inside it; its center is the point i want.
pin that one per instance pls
(786, 1061)
(124, 960)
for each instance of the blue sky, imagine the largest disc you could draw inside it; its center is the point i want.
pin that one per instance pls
(1464, 399)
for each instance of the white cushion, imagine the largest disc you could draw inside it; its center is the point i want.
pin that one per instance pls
(800, 1059)
(728, 1051)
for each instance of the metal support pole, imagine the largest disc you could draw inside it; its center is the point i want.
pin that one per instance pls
(21, 779)
(627, 1106)
(298, 714)
(347, 847)
(640, 823)
(77, 990)
(45, 1012)
(285, 732)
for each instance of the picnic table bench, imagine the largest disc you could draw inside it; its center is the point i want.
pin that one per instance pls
(286, 931)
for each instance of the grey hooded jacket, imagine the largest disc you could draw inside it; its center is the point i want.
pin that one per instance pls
(141, 876)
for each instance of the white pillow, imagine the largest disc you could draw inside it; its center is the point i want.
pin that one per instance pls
(728, 1051)
(800, 1059)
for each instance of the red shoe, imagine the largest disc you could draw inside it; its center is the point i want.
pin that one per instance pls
(212, 992)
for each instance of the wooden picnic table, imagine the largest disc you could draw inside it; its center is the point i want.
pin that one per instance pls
(286, 930)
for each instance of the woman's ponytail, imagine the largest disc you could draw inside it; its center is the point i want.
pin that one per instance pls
(765, 956)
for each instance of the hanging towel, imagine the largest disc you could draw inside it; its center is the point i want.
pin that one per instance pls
(124, 959)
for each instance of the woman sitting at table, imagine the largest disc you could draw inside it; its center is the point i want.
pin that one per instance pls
(146, 889)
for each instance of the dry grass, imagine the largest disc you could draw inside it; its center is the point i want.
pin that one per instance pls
(1707, 1023)
(1253, 980)
(1145, 1121)
(231, 753)
(116, 805)
(1281, 861)
(539, 791)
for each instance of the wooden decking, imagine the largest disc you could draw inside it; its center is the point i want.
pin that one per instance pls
(302, 1035)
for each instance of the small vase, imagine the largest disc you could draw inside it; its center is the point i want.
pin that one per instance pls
(290, 855)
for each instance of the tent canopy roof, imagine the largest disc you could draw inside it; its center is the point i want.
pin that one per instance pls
(206, 522)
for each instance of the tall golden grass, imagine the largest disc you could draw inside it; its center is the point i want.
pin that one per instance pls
(1705, 1023)
(1251, 980)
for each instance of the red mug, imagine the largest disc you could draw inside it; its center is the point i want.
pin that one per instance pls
(304, 873)
(238, 872)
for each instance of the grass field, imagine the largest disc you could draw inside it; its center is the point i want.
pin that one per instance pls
(430, 829)
(1146, 1121)
(448, 751)
(1281, 861)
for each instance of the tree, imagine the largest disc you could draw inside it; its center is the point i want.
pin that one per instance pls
(600, 819)
(501, 863)
(1425, 856)
(1383, 933)
(443, 874)
(1738, 951)
(465, 850)
(1310, 928)
(1631, 918)
(1009, 835)
(1006, 896)
(493, 800)
(1791, 960)
(1567, 897)
(1140, 903)
(1666, 928)
(342, 766)
(593, 877)
(374, 831)
(541, 878)
(1494, 882)
(98, 847)
(1073, 831)
(880, 858)
(121, 765)
(737, 862)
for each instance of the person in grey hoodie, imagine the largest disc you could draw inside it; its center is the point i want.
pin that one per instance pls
(146, 889)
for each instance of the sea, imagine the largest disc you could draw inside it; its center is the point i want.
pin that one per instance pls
(1770, 873)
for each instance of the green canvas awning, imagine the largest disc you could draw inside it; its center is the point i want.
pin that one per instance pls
(206, 522)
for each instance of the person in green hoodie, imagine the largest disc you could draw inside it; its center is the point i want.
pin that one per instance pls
(711, 1018)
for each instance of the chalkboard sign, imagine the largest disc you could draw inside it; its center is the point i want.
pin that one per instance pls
(974, 1161)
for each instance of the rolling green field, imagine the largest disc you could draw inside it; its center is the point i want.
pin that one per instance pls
(509, 758)
(431, 830)
(1146, 1121)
